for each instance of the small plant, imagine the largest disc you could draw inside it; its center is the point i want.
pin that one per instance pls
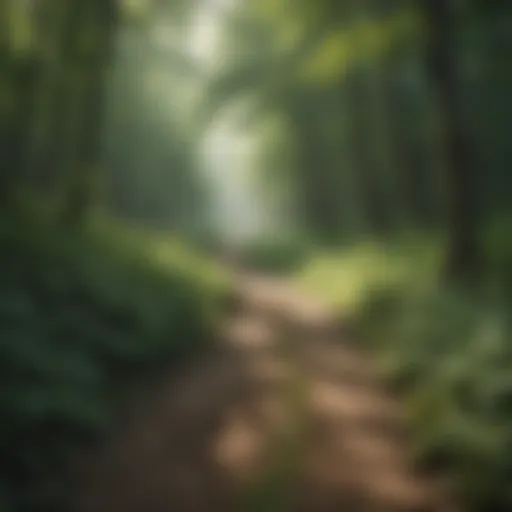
(82, 311)
(449, 356)
(274, 255)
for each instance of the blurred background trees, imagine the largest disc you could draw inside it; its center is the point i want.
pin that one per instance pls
(389, 101)
(350, 142)
(389, 111)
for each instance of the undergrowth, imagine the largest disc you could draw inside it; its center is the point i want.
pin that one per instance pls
(448, 354)
(274, 255)
(82, 312)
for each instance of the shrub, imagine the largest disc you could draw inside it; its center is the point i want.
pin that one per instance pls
(448, 355)
(81, 312)
(274, 255)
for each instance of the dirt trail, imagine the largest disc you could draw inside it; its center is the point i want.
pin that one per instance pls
(281, 417)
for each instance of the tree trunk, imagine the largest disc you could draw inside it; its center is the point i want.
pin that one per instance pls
(100, 25)
(19, 72)
(22, 84)
(464, 258)
(363, 162)
(48, 134)
(414, 188)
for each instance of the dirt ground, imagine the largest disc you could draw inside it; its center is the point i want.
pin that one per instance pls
(283, 416)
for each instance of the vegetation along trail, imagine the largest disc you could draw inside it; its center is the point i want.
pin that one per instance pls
(357, 150)
(282, 415)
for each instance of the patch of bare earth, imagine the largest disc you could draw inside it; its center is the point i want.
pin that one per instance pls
(196, 443)
(357, 450)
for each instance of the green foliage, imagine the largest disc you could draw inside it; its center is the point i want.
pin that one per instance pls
(151, 148)
(274, 255)
(348, 277)
(81, 313)
(456, 355)
(448, 355)
(498, 245)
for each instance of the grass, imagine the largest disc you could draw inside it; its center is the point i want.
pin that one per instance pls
(273, 490)
(346, 278)
(448, 355)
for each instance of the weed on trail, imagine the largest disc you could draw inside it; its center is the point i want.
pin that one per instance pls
(274, 490)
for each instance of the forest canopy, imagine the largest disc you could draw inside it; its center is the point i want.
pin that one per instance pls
(359, 147)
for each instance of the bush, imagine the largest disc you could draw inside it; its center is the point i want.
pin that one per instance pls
(450, 358)
(448, 355)
(80, 312)
(274, 255)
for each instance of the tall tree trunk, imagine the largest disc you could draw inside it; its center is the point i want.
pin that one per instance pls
(4, 105)
(414, 180)
(23, 84)
(47, 137)
(464, 257)
(317, 193)
(98, 28)
(19, 72)
(359, 93)
(363, 162)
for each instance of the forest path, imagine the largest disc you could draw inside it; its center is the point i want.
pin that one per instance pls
(281, 416)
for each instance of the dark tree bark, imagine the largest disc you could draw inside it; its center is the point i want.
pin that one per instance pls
(363, 161)
(99, 26)
(48, 133)
(318, 195)
(20, 78)
(414, 177)
(464, 258)
(5, 114)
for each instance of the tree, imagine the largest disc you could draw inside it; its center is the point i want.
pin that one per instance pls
(464, 254)
(90, 48)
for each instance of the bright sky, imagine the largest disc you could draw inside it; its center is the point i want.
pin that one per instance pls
(227, 153)
(205, 33)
